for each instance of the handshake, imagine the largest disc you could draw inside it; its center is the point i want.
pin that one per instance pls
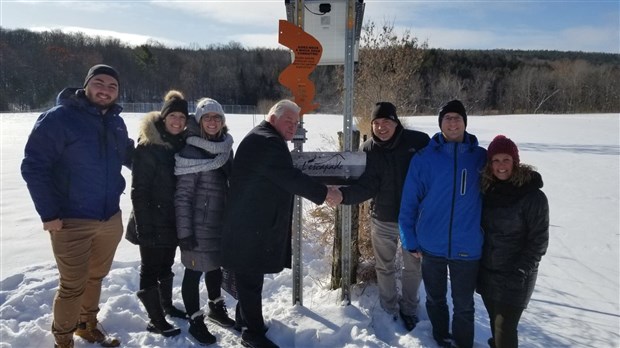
(334, 196)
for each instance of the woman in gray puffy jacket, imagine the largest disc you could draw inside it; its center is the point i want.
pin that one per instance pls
(202, 169)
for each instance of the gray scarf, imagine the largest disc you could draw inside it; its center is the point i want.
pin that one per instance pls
(194, 165)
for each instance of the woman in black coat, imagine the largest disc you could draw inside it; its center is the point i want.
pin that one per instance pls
(515, 220)
(152, 224)
(203, 168)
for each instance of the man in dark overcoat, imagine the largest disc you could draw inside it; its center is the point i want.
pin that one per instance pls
(257, 228)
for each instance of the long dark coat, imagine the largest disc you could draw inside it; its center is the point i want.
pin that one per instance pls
(257, 228)
(516, 235)
(152, 222)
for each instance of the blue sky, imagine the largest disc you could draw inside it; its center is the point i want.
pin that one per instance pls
(592, 26)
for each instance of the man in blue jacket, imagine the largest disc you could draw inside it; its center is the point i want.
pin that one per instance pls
(439, 222)
(72, 167)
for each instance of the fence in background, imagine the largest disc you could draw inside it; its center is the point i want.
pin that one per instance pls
(147, 107)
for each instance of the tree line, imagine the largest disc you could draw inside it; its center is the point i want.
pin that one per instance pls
(36, 66)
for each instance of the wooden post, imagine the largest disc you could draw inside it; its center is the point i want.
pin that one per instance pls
(336, 280)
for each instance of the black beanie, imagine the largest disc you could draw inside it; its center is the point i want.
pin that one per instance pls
(453, 106)
(384, 110)
(173, 101)
(101, 69)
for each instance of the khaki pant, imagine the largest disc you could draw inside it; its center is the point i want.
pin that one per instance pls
(385, 237)
(84, 250)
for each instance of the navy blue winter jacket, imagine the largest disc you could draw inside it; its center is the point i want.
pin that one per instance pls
(73, 159)
(441, 203)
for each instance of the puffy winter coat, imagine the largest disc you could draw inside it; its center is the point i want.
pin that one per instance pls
(257, 229)
(515, 220)
(73, 159)
(200, 202)
(441, 202)
(386, 167)
(152, 222)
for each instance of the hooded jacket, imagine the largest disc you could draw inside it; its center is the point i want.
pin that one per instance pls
(152, 222)
(386, 167)
(441, 202)
(515, 220)
(73, 159)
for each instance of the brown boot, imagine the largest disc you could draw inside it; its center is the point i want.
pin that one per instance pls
(63, 341)
(91, 333)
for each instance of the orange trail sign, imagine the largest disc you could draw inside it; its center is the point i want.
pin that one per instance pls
(307, 51)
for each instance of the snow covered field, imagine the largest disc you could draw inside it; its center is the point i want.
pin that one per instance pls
(576, 302)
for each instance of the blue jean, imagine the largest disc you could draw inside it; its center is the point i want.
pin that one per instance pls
(463, 274)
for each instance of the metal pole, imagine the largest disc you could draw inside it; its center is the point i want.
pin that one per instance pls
(349, 61)
(298, 205)
(297, 228)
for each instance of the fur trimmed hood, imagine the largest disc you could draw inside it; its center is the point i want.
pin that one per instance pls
(152, 131)
(524, 177)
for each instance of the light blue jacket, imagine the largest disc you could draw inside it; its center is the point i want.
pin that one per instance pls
(441, 203)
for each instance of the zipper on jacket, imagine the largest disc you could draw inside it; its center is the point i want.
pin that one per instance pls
(453, 200)
(107, 170)
(463, 181)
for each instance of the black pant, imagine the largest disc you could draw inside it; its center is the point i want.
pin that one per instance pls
(156, 264)
(504, 320)
(191, 292)
(250, 291)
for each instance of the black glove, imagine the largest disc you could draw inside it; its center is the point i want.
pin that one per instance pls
(188, 243)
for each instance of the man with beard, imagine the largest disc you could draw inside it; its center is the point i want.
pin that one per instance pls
(389, 152)
(72, 167)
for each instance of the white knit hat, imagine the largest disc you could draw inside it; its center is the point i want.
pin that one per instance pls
(206, 105)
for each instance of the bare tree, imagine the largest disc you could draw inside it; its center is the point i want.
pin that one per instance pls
(386, 71)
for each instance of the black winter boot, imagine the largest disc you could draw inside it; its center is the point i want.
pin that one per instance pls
(165, 295)
(158, 323)
(198, 329)
(240, 325)
(254, 340)
(218, 313)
